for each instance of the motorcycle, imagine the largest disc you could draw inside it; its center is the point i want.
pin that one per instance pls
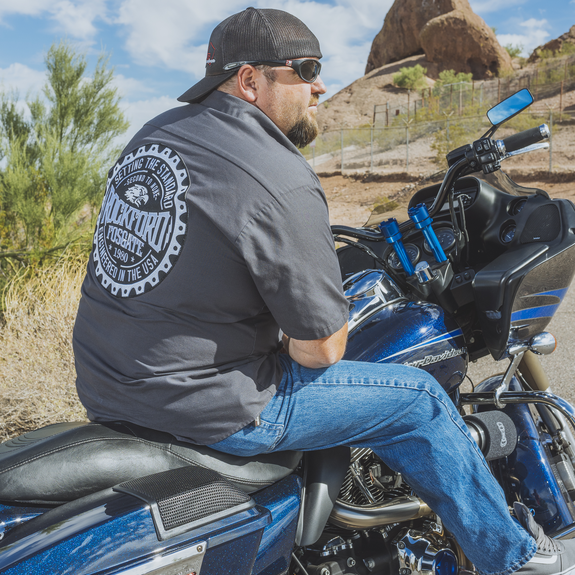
(479, 268)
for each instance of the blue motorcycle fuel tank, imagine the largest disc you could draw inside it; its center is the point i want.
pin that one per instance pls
(386, 327)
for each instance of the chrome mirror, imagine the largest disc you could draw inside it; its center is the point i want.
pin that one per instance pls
(510, 107)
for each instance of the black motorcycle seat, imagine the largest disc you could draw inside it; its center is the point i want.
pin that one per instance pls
(65, 461)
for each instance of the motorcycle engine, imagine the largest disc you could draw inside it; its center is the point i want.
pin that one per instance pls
(417, 547)
(369, 480)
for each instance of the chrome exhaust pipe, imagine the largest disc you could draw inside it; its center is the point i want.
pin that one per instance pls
(356, 517)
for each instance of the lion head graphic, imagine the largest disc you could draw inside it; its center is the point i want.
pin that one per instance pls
(138, 195)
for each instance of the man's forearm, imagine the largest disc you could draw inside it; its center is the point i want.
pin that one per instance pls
(318, 353)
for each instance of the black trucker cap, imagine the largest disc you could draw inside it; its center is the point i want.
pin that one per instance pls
(252, 35)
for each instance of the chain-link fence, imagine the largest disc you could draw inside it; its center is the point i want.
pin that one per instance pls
(415, 137)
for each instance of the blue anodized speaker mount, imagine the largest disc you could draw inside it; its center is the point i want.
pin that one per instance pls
(422, 220)
(390, 230)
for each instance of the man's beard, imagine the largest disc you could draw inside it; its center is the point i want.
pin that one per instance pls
(304, 131)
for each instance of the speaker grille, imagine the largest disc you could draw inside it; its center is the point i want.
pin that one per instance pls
(186, 494)
(543, 225)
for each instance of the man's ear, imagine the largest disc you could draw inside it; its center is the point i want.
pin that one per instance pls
(248, 83)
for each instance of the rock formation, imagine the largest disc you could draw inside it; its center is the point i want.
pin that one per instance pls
(454, 36)
(555, 45)
(461, 41)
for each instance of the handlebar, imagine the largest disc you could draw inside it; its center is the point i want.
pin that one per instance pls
(360, 234)
(526, 138)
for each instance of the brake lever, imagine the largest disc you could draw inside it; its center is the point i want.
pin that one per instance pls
(527, 149)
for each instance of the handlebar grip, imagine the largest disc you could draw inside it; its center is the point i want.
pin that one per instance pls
(526, 138)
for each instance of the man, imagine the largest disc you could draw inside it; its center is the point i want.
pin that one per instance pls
(213, 236)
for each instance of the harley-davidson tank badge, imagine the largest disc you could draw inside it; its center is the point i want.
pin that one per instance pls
(429, 359)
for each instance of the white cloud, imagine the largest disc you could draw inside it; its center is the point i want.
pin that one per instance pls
(26, 7)
(174, 33)
(139, 112)
(171, 33)
(130, 87)
(21, 78)
(535, 33)
(74, 18)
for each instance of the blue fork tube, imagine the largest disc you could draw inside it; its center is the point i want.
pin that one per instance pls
(390, 230)
(420, 217)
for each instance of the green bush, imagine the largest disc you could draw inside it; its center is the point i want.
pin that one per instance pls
(411, 78)
(567, 49)
(461, 131)
(514, 50)
(55, 159)
(383, 205)
(450, 77)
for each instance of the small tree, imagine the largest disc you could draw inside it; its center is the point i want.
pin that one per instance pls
(514, 50)
(448, 77)
(56, 157)
(411, 78)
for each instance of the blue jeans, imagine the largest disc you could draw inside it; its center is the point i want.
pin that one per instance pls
(408, 420)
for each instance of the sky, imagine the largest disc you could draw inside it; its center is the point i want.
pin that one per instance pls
(158, 47)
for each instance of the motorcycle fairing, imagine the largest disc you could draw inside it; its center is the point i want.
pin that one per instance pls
(527, 282)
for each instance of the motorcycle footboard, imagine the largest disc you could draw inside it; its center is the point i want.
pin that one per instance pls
(186, 520)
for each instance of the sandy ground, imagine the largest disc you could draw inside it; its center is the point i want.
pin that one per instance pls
(351, 199)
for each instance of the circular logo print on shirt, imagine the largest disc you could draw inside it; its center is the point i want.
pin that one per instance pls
(142, 224)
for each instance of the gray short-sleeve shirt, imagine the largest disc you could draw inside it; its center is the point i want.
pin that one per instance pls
(213, 235)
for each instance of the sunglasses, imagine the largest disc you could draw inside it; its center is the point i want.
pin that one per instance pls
(308, 69)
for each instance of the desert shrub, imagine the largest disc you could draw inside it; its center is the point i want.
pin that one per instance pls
(525, 121)
(448, 77)
(383, 205)
(411, 78)
(461, 131)
(567, 49)
(37, 363)
(514, 50)
(545, 54)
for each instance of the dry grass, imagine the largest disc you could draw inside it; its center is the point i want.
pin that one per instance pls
(36, 360)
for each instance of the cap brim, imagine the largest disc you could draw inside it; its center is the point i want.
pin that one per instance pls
(208, 84)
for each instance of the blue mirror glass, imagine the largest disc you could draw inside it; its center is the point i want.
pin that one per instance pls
(510, 106)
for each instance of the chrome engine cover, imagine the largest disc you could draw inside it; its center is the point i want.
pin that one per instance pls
(426, 552)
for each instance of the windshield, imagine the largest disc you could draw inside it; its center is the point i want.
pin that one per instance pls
(502, 181)
(498, 179)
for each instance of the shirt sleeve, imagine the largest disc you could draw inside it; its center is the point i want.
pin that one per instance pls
(289, 250)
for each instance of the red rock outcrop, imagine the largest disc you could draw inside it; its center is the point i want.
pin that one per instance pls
(463, 42)
(555, 45)
(476, 47)
(399, 37)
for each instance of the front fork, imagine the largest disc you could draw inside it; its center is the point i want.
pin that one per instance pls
(540, 472)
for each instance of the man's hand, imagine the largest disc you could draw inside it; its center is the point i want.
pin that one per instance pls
(317, 353)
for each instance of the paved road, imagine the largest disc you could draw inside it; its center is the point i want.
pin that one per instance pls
(559, 366)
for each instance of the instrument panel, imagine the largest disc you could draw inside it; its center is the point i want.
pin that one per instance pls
(418, 249)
